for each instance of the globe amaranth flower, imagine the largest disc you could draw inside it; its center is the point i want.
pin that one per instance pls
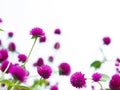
(3, 54)
(1, 20)
(96, 77)
(44, 71)
(57, 45)
(10, 34)
(50, 58)
(54, 87)
(12, 46)
(22, 57)
(106, 40)
(37, 32)
(64, 69)
(39, 62)
(57, 31)
(4, 65)
(19, 72)
(78, 80)
(114, 83)
(42, 39)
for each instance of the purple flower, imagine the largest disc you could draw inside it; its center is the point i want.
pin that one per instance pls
(18, 72)
(10, 34)
(106, 40)
(12, 46)
(39, 62)
(4, 65)
(44, 71)
(96, 77)
(37, 32)
(1, 20)
(114, 83)
(54, 87)
(57, 45)
(78, 80)
(57, 31)
(3, 54)
(50, 58)
(22, 57)
(64, 69)
(42, 39)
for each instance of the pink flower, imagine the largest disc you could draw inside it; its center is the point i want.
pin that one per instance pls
(22, 57)
(12, 46)
(57, 31)
(1, 20)
(3, 54)
(96, 77)
(106, 40)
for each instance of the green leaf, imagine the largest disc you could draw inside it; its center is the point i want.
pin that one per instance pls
(107, 89)
(96, 64)
(22, 87)
(8, 82)
(1, 29)
(104, 78)
(43, 81)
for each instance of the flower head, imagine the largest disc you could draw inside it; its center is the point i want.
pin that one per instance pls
(54, 87)
(10, 34)
(114, 83)
(22, 57)
(3, 54)
(37, 32)
(50, 58)
(57, 31)
(12, 46)
(57, 45)
(64, 69)
(1, 20)
(96, 77)
(39, 62)
(19, 72)
(106, 40)
(42, 39)
(78, 80)
(44, 71)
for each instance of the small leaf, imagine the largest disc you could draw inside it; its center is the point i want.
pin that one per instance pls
(96, 64)
(22, 87)
(1, 29)
(104, 78)
(43, 81)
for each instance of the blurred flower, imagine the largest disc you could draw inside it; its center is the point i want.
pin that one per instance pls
(1, 20)
(78, 80)
(57, 45)
(57, 31)
(22, 57)
(42, 39)
(50, 58)
(12, 46)
(4, 65)
(18, 72)
(10, 34)
(106, 40)
(54, 87)
(114, 83)
(39, 62)
(96, 77)
(44, 71)
(37, 32)
(3, 54)
(64, 69)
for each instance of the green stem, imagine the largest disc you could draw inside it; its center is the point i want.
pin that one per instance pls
(30, 52)
(12, 88)
(100, 85)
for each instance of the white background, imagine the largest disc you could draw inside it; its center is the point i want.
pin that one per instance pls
(83, 24)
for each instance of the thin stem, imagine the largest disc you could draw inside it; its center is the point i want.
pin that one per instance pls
(12, 88)
(100, 85)
(30, 52)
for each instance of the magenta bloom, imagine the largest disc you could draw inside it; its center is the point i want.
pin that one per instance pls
(10, 34)
(22, 57)
(64, 69)
(3, 54)
(78, 80)
(18, 72)
(12, 46)
(39, 62)
(4, 65)
(51, 58)
(54, 87)
(1, 20)
(106, 40)
(114, 83)
(57, 31)
(57, 45)
(37, 32)
(42, 39)
(96, 77)
(44, 71)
